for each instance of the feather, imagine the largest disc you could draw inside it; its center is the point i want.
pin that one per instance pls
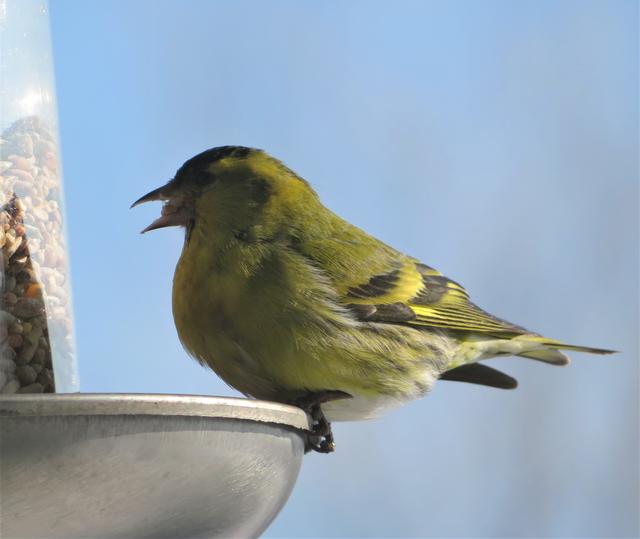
(476, 373)
(433, 299)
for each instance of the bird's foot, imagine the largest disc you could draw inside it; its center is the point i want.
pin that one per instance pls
(320, 438)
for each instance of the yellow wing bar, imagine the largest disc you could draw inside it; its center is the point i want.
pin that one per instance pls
(434, 300)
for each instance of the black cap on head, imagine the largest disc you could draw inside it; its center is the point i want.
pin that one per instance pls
(194, 167)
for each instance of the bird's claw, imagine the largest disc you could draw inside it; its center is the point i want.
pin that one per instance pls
(320, 438)
(319, 444)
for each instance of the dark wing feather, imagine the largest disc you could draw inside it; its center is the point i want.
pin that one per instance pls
(477, 373)
(419, 295)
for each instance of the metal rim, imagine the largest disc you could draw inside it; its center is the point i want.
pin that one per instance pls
(62, 404)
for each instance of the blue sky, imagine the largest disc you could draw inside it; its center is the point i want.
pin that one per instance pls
(494, 140)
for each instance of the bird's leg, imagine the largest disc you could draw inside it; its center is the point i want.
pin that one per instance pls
(320, 438)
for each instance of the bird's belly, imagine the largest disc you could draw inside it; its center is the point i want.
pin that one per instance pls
(362, 407)
(277, 344)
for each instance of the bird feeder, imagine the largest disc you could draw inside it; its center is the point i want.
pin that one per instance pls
(37, 353)
(78, 465)
(131, 466)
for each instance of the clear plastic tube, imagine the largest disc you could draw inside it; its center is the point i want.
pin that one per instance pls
(37, 348)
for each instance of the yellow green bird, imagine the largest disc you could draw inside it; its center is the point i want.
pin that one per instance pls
(288, 302)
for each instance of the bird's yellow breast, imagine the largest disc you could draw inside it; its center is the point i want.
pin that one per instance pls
(210, 308)
(272, 330)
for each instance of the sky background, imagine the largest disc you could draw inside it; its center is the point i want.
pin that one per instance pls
(494, 140)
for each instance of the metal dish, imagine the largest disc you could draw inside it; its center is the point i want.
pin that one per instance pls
(110, 465)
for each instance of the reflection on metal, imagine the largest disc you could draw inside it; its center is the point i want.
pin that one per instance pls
(106, 466)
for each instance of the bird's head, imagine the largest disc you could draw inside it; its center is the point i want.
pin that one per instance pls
(230, 189)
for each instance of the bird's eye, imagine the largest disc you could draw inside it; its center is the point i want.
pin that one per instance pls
(240, 235)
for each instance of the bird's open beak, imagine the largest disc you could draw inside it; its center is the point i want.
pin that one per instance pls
(175, 212)
(156, 194)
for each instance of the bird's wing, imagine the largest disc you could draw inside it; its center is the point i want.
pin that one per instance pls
(381, 284)
(418, 295)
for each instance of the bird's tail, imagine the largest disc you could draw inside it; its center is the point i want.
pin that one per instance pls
(548, 350)
(528, 345)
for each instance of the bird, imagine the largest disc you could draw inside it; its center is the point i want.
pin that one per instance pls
(288, 302)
